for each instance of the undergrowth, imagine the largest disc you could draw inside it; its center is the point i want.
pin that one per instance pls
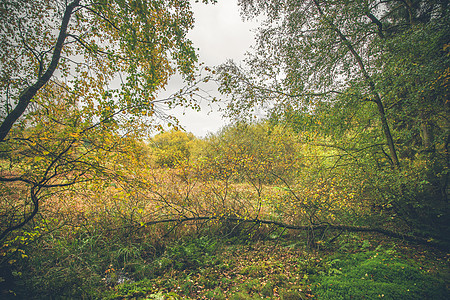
(207, 267)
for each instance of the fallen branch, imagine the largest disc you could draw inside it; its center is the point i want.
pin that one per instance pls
(410, 238)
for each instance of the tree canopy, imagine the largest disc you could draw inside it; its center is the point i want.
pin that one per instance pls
(323, 54)
(350, 152)
(111, 55)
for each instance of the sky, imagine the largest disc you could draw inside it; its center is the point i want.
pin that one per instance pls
(220, 34)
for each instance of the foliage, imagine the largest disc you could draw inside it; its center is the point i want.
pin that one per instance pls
(172, 148)
(254, 153)
(270, 271)
(356, 137)
(81, 263)
(88, 44)
(189, 255)
(108, 253)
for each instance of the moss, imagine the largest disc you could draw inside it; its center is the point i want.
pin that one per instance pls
(381, 275)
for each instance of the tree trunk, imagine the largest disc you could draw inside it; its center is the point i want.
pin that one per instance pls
(407, 237)
(371, 84)
(29, 92)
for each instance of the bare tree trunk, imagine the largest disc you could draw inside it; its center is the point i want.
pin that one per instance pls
(386, 232)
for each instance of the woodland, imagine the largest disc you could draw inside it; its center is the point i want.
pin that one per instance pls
(331, 182)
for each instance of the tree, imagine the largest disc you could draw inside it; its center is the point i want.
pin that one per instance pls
(114, 54)
(372, 75)
(314, 52)
(79, 79)
(172, 148)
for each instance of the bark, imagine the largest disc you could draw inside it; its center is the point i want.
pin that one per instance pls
(28, 93)
(378, 23)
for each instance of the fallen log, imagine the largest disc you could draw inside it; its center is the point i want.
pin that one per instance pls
(390, 233)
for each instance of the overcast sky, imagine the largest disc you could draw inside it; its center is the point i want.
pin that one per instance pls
(220, 34)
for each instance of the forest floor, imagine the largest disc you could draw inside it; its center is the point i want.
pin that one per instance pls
(358, 266)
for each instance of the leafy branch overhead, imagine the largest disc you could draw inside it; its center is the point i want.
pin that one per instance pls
(110, 55)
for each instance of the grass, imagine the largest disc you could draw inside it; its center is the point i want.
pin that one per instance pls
(378, 274)
(90, 264)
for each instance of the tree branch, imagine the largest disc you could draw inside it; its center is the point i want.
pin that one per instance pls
(376, 22)
(35, 200)
(29, 92)
(369, 82)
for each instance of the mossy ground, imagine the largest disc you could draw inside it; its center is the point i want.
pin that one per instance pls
(284, 269)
